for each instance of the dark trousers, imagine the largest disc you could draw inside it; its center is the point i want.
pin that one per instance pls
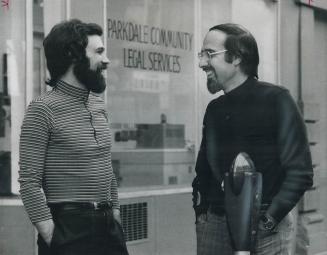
(84, 232)
(213, 237)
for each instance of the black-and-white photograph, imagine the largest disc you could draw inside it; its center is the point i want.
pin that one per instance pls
(163, 127)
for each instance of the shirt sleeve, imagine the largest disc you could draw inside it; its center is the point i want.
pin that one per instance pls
(114, 191)
(34, 139)
(294, 156)
(113, 185)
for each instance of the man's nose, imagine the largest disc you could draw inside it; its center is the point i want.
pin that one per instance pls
(106, 60)
(203, 62)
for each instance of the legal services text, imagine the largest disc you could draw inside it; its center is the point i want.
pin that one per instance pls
(154, 36)
(154, 61)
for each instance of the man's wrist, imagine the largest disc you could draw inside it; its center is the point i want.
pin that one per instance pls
(46, 228)
(116, 214)
(267, 222)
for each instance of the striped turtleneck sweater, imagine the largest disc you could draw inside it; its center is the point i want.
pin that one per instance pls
(65, 147)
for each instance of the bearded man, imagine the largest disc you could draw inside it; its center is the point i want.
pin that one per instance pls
(66, 178)
(260, 119)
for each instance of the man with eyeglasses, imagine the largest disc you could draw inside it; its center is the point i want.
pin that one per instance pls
(260, 119)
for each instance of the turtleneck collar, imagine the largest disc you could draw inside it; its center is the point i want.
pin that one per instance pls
(72, 90)
(241, 89)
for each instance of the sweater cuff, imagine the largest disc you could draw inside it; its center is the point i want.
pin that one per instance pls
(201, 209)
(277, 212)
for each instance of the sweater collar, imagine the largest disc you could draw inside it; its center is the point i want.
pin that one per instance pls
(242, 90)
(71, 90)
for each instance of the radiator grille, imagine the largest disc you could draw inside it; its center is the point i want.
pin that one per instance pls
(135, 221)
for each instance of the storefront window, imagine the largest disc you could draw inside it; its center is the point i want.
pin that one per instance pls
(151, 91)
(16, 90)
(12, 90)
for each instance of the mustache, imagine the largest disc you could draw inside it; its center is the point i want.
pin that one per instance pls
(102, 66)
(206, 68)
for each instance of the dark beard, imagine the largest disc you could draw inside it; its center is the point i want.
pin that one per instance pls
(92, 80)
(212, 86)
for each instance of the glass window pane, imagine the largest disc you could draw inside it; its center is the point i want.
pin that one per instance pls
(151, 91)
(12, 91)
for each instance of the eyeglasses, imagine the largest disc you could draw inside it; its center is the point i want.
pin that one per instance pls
(209, 54)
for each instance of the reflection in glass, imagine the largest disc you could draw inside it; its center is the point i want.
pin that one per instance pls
(151, 91)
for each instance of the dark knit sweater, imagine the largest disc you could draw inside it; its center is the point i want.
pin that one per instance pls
(262, 120)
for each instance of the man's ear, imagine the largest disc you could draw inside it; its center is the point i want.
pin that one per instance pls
(74, 59)
(74, 53)
(236, 61)
(71, 56)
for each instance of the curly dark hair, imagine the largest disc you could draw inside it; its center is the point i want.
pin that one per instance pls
(240, 43)
(65, 44)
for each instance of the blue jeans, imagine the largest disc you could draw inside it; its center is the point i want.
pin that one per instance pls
(85, 232)
(213, 237)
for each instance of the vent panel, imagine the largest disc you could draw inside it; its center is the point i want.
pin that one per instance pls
(135, 221)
